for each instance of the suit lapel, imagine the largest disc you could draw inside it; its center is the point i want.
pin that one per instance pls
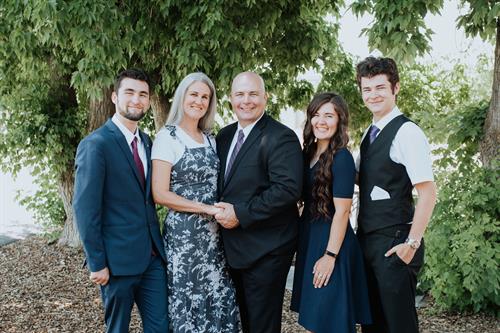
(254, 134)
(122, 143)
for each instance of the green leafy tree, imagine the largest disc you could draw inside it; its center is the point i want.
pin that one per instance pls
(58, 60)
(463, 240)
(339, 75)
(399, 31)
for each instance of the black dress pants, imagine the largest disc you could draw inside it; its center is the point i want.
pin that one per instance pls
(260, 290)
(391, 282)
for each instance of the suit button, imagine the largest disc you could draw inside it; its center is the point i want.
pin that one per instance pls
(147, 202)
(221, 198)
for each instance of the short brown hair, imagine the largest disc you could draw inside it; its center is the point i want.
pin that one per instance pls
(132, 73)
(372, 66)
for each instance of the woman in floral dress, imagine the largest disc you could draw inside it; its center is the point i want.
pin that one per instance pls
(201, 296)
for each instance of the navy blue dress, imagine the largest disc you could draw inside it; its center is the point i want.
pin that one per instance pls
(344, 301)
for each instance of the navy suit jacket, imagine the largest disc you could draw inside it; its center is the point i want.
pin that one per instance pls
(115, 215)
(264, 185)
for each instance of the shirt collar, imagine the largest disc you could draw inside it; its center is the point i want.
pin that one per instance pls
(129, 136)
(248, 128)
(387, 118)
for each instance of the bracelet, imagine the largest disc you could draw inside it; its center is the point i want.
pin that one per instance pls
(331, 254)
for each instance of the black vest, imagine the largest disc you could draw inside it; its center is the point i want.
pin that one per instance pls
(377, 169)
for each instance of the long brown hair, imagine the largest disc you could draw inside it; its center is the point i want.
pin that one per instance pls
(322, 187)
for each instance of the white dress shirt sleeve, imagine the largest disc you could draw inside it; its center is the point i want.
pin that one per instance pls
(411, 149)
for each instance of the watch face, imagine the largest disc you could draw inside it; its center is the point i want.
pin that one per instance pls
(414, 244)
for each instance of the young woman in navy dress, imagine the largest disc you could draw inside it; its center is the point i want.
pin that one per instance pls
(329, 290)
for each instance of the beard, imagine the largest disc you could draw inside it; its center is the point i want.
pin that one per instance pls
(130, 115)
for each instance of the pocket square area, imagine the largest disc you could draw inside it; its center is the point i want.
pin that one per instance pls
(379, 194)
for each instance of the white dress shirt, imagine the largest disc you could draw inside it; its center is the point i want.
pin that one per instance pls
(409, 148)
(129, 136)
(246, 132)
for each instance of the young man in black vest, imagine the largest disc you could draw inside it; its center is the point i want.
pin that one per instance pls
(394, 158)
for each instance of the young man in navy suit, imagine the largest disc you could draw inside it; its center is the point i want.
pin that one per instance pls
(116, 215)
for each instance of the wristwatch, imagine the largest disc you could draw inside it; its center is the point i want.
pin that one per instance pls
(414, 244)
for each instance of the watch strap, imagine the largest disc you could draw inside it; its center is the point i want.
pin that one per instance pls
(331, 254)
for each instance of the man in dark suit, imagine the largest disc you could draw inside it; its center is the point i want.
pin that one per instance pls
(116, 215)
(259, 186)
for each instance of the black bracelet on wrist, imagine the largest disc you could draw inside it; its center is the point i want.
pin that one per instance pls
(331, 254)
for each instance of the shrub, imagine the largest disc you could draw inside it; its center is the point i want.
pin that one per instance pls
(463, 242)
(463, 245)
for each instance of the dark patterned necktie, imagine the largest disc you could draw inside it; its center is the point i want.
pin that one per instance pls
(237, 147)
(138, 162)
(373, 133)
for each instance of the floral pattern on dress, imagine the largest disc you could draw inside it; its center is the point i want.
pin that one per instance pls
(201, 295)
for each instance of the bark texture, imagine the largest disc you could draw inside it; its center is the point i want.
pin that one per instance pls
(489, 146)
(69, 235)
(99, 112)
(159, 106)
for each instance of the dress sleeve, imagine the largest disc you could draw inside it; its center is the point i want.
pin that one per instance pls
(166, 147)
(343, 174)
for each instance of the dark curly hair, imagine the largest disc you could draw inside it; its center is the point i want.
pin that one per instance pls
(322, 187)
(132, 73)
(372, 66)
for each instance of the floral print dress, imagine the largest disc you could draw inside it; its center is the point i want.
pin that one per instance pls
(201, 295)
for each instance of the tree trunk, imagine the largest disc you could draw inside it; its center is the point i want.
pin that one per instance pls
(99, 112)
(490, 144)
(159, 105)
(69, 235)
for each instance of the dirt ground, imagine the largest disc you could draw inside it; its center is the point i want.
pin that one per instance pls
(43, 288)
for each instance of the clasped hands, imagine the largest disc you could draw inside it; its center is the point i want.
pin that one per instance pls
(224, 214)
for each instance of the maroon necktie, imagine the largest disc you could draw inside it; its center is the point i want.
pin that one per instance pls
(138, 162)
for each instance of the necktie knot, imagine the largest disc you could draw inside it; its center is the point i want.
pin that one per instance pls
(373, 133)
(241, 135)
